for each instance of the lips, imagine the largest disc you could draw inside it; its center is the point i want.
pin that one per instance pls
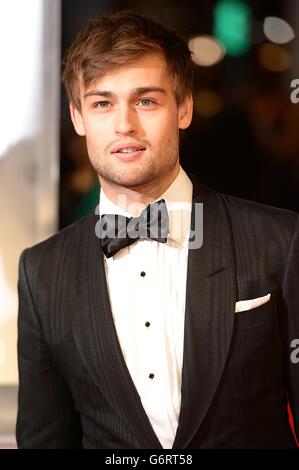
(128, 147)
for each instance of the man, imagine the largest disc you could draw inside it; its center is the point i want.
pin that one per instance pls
(153, 339)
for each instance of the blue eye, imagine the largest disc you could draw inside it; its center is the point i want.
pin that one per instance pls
(102, 104)
(146, 102)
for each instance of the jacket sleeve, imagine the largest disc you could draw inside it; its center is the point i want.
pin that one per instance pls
(291, 298)
(46, 414)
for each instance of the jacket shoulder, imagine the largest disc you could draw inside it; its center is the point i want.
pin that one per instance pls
(262, 229)
(60, 246)
(258, 214)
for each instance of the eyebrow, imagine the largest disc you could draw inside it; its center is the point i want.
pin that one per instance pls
(133, 92)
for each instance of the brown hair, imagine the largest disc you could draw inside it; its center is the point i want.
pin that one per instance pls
(114, 40)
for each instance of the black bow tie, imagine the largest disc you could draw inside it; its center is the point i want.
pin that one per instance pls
(117, 231)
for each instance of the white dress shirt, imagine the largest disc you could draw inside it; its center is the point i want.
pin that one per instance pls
(147, 287)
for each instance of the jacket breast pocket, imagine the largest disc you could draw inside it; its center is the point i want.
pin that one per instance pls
(258, 316)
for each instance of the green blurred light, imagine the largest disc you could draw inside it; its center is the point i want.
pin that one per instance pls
(232, 26)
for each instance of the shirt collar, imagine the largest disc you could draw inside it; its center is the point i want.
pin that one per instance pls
(178, 197)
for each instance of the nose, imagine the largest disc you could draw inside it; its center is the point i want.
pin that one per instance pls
(125, 121)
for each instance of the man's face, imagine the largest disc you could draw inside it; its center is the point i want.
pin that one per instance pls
(131, 122)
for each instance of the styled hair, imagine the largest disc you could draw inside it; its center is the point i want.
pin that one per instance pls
(107, 42)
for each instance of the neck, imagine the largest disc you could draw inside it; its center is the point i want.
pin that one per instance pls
(134, 199)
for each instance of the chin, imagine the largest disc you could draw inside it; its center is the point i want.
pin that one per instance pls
(131, 178)
(132, 182)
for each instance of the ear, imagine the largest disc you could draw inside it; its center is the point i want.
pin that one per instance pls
(185, 112)
(77, 120)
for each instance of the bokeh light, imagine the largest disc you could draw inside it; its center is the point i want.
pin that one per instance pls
(274, 58)
(207, 103)
(278, 30)
(206, 50)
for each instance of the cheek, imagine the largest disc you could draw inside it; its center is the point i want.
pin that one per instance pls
(96, 144)
(96, 133)
(161, 128)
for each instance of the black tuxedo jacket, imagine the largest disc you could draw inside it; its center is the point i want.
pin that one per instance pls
(238, 376)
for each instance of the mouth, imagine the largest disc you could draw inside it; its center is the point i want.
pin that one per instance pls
(128, 156)
(128, 151)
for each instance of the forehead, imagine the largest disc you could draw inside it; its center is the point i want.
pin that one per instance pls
(148, 70)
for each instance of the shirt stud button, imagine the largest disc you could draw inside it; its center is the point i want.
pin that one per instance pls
(151, 376)
(147, 324)
(142, 274)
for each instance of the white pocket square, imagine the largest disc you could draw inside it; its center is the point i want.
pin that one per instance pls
(243, 305)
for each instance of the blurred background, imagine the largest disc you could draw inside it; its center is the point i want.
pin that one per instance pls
(244, 139)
